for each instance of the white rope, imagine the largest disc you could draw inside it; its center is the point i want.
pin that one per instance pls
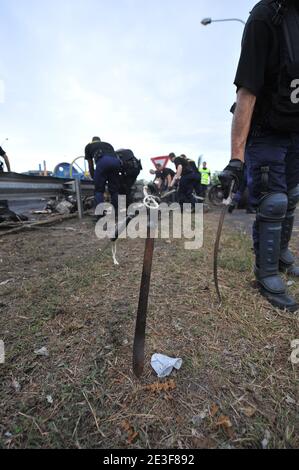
(114, 252)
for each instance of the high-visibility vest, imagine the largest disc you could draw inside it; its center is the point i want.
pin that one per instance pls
(205, 176)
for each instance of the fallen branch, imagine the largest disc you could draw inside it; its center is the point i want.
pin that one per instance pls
(33, 225)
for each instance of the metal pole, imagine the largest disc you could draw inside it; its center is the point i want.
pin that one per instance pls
(207, 21)
(139, 339)
(229, 19)
(79, 198)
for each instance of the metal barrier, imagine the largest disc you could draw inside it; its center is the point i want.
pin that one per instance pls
(16, 187)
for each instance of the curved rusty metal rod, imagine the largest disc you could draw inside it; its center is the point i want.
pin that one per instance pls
(226, 203)
(216, 253)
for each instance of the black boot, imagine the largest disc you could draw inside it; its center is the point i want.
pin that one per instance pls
(271, 214)
(250, 210)
(287, 260)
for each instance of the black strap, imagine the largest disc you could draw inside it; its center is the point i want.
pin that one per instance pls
(279, 7)
(291, 32)
(265, 170)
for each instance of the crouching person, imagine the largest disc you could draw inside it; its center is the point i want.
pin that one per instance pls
(188, 181)
(104, 167)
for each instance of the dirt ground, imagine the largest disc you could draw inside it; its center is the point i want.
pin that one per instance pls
(236, 389)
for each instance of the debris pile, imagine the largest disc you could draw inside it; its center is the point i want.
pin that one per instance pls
(66, 205)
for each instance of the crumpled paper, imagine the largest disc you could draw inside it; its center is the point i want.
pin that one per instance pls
(42, 352)
(164, 365)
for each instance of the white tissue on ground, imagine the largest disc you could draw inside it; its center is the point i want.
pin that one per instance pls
(164, 365)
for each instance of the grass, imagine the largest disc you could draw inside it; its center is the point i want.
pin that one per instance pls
(66, 297)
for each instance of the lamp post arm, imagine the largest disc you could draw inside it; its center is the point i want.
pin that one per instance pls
(229, 19)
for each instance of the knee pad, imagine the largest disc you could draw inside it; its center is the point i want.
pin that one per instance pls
(293, 196)
(272, 207)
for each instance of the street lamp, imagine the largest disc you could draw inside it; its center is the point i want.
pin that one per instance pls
(207, 21)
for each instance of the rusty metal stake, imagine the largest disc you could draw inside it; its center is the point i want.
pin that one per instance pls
(139, 340)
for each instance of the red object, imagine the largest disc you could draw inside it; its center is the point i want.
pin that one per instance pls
(160, 160)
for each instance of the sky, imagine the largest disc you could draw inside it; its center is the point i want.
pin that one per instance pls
(144, 75)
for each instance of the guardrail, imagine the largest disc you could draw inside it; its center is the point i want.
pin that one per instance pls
(16, 187)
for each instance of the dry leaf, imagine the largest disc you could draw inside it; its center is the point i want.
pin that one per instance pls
(162, 387)
(225, 422)
(132, 435)
(126, 426)
(249, 411)
(214, 410)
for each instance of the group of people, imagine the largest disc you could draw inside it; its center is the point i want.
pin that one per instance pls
(120, 169)
(117, 169)
(191, 182)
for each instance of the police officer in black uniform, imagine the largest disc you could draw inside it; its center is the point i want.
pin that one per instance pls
(189, 180)
(265, 133)
(196, 178)
(107, 169)
(168, 175)
(164, 177)
(130, 170)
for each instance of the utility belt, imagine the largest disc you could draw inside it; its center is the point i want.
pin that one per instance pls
(97, 158)
(263, 128)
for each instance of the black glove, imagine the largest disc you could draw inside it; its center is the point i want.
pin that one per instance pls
(234, 172)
